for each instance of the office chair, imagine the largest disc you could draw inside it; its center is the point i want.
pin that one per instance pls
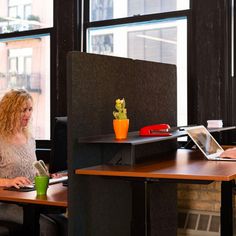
(58, 162)
(58, 157)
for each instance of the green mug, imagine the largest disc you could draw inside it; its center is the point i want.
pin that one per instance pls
(41, 184)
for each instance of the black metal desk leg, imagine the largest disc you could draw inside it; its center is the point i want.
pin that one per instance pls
(226, 212)
(31, 220)
(139, 222)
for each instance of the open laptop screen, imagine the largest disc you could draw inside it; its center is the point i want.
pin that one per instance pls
(204, 140)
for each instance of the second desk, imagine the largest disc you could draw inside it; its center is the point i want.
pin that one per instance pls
(175, 167)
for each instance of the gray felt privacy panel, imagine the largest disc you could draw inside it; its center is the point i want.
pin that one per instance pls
(149, 89)
(94, 83)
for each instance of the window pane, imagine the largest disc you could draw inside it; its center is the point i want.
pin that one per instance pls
(160, 41)
(111, 9)
(23, 15)
(26, 64)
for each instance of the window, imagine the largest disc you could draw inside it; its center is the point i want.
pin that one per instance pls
(27, 11)
(102, 44)
(22, 15)
(152, 38)
(25, 55)
(113, 9)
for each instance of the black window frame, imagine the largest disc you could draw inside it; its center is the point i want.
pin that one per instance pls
(51, 32)
(127, 20)
(145, 18)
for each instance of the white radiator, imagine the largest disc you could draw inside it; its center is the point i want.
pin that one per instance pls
(198, 223)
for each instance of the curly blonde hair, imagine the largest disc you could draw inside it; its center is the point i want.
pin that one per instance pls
(10, 111)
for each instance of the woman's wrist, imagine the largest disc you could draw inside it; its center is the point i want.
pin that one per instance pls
(5, 182)
(8, 182)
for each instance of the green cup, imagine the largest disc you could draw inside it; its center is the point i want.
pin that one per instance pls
(41, 184)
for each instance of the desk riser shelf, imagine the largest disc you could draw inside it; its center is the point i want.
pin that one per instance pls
(134, 149)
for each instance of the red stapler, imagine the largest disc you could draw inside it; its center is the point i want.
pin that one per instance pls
(155, 130)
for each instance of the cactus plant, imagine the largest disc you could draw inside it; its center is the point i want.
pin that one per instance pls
(121, 113)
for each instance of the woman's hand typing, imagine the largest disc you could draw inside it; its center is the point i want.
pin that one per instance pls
(17, 182)
(229, 153)
(57, 175)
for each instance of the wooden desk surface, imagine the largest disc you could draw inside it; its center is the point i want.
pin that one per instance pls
(182, 164)
(56, 196)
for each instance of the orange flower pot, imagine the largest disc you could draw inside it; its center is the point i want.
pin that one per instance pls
(121, 128)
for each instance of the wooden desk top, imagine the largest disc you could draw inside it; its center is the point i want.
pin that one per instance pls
(182, 164)
(56, 196)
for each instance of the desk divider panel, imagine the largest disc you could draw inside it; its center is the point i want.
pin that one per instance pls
(98, 205)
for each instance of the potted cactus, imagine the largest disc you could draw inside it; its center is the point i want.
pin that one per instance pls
(121, 122)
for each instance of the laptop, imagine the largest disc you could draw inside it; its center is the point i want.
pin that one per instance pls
(206, 143)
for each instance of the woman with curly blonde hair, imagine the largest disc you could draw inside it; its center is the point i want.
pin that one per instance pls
(17, 152)
(17, 146)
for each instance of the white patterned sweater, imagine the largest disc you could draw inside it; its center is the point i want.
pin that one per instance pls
(17, 160)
